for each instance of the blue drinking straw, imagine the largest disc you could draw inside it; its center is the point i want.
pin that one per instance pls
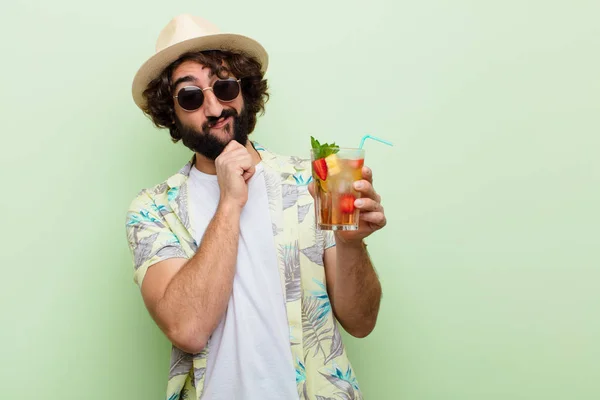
(362, 142)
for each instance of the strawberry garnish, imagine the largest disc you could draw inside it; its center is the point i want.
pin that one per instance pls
(357, 163)
(347, 203)
(320, 168)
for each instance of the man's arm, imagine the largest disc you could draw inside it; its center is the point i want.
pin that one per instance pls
(352, 283)
(353, 286)
(187, 299)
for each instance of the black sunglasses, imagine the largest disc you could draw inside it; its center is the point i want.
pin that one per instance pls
(190, 98)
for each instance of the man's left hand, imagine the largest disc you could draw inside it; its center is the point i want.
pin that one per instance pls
(372, 216)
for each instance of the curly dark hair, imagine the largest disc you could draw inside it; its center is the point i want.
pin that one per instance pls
(159, 93)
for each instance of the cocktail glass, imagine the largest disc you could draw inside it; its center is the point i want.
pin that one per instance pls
(334, 178)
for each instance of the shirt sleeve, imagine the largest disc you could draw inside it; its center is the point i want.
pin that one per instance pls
(149, 237)
(328, 239)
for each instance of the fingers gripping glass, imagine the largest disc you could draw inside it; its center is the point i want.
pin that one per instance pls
(190, 98)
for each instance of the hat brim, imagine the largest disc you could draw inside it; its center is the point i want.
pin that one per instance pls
(221, 41)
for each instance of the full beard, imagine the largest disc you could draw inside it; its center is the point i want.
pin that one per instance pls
(207, 144)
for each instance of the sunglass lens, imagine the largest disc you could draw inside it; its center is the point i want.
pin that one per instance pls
(190, 98)
(226, 90)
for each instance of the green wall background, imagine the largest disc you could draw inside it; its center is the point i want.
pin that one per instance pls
(490, 262)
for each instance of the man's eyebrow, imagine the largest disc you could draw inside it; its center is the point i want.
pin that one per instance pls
(187, 78)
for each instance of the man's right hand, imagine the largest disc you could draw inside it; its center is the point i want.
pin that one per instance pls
(234, 167)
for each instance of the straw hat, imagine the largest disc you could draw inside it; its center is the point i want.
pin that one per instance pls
(186, 33)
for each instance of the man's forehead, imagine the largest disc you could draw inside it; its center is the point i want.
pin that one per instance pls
(193, 68)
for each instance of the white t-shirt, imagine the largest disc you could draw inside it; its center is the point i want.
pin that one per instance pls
(250, 356)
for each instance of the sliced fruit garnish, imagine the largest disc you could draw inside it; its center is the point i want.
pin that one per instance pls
(347, 203)
(320, 168)
(333, 165)
(320, 165)
(356, 163)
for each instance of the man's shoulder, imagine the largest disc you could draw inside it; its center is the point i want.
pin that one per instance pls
(163, 192)
(156, 190)
(296, 161)
(146, 202)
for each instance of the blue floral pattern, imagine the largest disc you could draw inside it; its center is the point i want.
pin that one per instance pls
(158, 228)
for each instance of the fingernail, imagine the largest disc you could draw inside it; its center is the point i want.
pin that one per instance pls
(358, 185)
(359, 203)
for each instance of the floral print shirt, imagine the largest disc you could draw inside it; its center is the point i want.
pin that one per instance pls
(158, 228)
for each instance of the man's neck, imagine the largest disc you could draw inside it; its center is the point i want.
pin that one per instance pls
(207, 165)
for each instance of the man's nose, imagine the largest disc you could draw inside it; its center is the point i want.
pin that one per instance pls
(212, 105)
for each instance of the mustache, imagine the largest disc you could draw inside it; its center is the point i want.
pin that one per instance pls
(211, 121)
